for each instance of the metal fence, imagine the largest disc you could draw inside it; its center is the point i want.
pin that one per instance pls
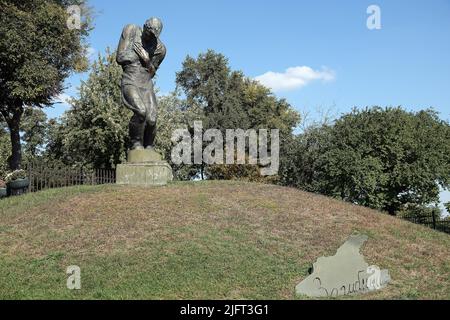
(49, 176)
(430, 221)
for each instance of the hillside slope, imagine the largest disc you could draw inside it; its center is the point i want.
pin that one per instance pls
(208, 240)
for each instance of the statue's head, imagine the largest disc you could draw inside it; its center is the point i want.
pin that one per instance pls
(153, 26)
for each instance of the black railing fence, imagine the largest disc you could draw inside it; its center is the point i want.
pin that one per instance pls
(431, 221)
(49, 176)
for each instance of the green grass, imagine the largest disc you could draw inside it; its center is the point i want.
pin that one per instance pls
(209, 240)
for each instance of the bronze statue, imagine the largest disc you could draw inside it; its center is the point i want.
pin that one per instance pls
(140, 54)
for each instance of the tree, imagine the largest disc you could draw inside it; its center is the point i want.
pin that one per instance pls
(173, 115)
(34, 130)
(301, 166)
(229, 100)
(5, 149)
(380, 158)
(37, 52)
(95, 130)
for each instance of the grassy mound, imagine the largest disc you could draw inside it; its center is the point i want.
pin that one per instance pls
(209, 240)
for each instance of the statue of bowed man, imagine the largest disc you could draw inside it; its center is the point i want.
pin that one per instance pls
(140, 53)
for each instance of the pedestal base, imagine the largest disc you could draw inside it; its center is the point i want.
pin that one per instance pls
(144, 168)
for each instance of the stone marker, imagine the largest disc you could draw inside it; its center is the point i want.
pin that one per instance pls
(144, 168)
(345, 273)
(140, 53)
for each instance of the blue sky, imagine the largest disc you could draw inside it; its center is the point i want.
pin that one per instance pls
(335, 61)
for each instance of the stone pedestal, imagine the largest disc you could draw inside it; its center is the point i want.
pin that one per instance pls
(144, 168)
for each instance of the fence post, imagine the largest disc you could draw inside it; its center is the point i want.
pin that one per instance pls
(434, 219)
(30, 172)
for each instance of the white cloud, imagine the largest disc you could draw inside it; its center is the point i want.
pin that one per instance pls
(62, 104)
(90, 51)
(62, 98)
(294, 78)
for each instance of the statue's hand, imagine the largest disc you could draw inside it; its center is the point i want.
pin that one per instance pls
(152, 70)
(142, 53)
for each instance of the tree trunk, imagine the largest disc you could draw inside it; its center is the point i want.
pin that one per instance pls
(13, 122)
